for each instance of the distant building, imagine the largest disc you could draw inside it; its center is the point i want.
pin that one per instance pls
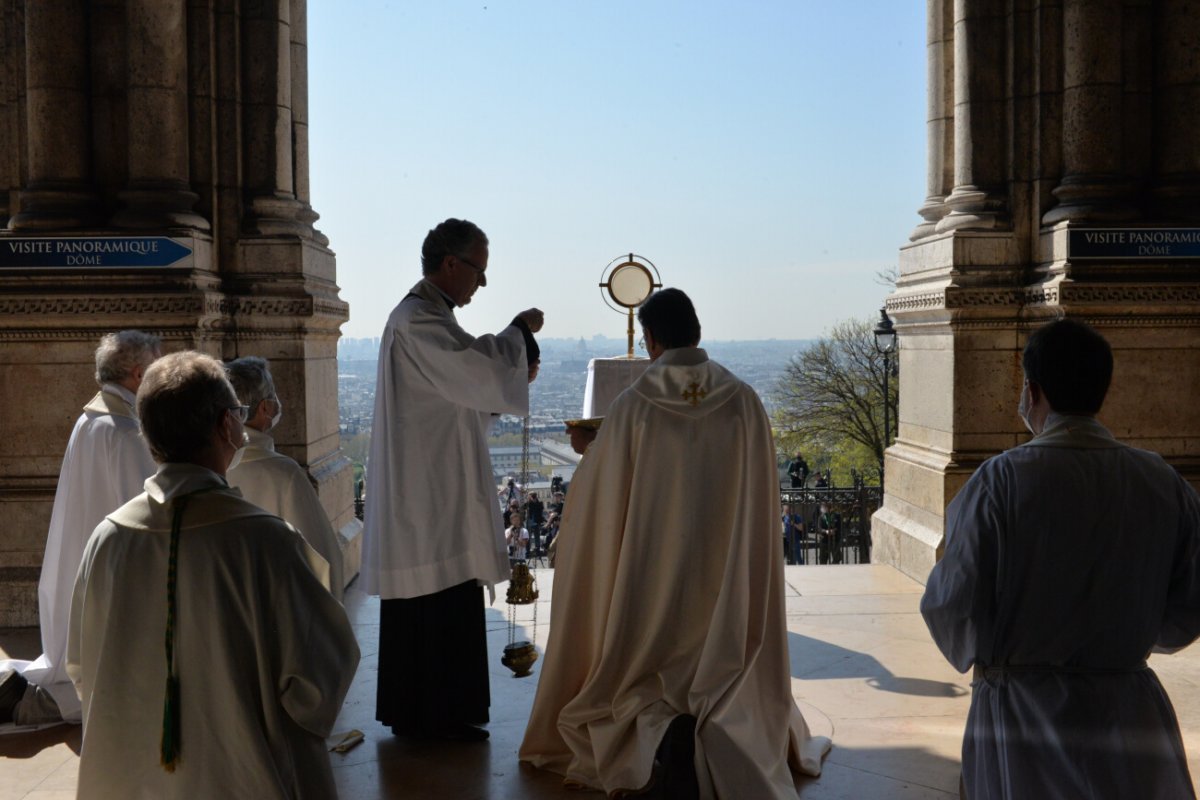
(561, 459)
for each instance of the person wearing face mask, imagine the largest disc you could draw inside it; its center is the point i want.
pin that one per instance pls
(273, 481)
(210, 659)
(1067, 561)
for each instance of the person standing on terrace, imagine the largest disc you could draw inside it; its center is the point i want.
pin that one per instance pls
(1068, 560)
(432, 535)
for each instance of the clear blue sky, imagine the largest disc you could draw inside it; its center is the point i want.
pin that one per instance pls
(768, 157)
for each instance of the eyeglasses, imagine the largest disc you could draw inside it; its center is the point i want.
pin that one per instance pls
(241, 412)
(472, 265)
(642, 343)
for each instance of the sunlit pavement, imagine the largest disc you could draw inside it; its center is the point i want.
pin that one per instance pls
(863, 670)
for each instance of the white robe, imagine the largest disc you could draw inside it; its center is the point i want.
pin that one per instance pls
(104, 467)
(669, 596)
(431, 519)
(264, 653)
(274, 482)
(1076, 554)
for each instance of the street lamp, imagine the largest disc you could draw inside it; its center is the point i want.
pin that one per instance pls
(885, 344)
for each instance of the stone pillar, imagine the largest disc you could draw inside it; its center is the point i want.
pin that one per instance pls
(299, 61)
(1092, 86)
(57, 193)
(268, 165)
(170, 118)
(1094, 186)
(158, 194)
(1177, 112)
(12, 78)
(283, 298)
(978, 201)
(940, 120)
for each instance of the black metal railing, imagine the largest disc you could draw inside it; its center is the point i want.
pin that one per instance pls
(841, 534)
(829, 526)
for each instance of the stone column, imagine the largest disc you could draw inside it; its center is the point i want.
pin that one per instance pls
(1093, 186)
(1177, 111)
(158, 194)
(299, 63)
(940, 121)
(58, 192)
(11, 78)
(980, 143)
(268, 167)
(136, 104)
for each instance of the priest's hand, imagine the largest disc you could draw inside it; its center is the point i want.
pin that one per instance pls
(533, 369)
(533, 318)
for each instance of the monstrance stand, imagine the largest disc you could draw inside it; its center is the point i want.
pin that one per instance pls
(628, 281)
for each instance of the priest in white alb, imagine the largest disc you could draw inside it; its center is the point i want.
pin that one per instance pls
(667, 667)
(210, 659)
(104, 466)
(432, 532)
(270, 479)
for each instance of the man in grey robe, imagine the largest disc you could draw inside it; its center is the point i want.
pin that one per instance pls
(1068, 559)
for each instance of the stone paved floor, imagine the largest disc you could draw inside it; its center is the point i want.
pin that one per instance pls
(863, 667)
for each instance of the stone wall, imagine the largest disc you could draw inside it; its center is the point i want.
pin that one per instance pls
(157, 118)
(1044, 118)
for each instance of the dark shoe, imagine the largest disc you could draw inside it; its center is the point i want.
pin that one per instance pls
(452, 732)
(677, 756)
(12, 689)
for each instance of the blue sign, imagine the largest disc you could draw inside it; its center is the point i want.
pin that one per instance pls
(92, 252)
(1133, 243)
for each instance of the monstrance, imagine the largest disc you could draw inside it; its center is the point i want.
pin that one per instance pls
(628, 281)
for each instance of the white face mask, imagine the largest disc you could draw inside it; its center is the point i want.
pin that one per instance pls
(239, 452)
(1023, 408)
(278, 414)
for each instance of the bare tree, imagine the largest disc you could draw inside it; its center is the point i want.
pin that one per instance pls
(832, 393)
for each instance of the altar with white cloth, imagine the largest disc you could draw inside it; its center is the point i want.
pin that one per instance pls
(607, 378)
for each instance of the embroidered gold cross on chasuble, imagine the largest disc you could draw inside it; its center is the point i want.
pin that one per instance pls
(694, 394)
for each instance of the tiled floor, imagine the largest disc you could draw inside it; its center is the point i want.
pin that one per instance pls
(863, 669)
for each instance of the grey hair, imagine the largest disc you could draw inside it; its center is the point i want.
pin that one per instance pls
(251, 379)
(454, 237)
(180, 403)
(119, 353)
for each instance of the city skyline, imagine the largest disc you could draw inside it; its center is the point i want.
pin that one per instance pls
(769, 158)
(557, 394)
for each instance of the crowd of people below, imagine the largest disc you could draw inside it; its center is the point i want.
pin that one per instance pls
(530, 525)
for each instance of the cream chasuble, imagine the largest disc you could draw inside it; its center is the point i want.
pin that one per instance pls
(669, 596)
(263, 652)
(274, 482)
(104, 466)
(431, 519)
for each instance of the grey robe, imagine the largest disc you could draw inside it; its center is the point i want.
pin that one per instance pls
(1067, 559)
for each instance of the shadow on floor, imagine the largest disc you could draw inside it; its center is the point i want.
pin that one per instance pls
(814, 659)
(28, 745)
